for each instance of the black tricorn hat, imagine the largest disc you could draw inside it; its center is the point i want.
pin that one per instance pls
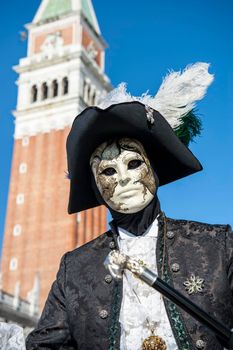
(171, 159)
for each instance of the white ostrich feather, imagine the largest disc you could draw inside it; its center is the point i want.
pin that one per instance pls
(176, 96)
(117, 95)
(180, 90)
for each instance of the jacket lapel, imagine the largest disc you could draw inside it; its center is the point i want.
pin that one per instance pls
(180, 332)
(115, 327)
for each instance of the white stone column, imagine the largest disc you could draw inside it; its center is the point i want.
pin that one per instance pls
(24, 94)
(39, 91)
(87, 85)
(73, 81)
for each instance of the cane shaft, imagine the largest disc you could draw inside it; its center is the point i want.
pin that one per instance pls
(187, 305)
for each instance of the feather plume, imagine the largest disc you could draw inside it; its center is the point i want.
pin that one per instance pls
(120, 94)
(117, 95)
(179, 92)
(190, 127)
(175, 99)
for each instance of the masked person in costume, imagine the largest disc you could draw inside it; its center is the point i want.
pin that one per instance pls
(119, 153)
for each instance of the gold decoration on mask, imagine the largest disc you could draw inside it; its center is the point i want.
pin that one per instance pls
(123, 175)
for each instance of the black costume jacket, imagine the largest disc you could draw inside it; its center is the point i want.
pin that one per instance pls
(82, 309)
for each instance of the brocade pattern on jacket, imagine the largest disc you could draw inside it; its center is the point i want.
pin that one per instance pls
(82, 309)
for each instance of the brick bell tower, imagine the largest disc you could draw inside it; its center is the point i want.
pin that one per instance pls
(62, 73)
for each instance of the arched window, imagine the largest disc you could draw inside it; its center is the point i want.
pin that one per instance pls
(65, 86)
(17, 230)
(25, 141)
(34, 93)
(20, 198)
(54, 88)
(13, 264)
(44, 91)
(23, 168)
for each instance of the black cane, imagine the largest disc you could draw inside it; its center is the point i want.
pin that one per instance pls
(117, 262)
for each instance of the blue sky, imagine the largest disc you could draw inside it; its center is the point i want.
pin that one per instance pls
(146, 39)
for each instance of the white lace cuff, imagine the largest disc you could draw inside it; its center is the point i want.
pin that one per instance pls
(11, 337)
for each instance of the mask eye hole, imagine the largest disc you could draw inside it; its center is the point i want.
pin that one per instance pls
(135, 163)
(109, 171)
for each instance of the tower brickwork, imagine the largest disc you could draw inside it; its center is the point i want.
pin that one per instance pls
(61, 75)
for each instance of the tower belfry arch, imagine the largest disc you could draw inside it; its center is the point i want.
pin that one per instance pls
(62, 74)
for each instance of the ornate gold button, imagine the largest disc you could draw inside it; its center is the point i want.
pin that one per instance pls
(175, 267)
(200, 344)
(103, 314)
(108, 278)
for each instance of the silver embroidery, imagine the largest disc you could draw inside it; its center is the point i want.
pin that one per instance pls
(194, 284)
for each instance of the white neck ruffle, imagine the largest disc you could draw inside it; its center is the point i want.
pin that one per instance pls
(134, 314)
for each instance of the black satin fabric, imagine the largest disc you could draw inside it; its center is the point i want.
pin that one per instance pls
(136, 223)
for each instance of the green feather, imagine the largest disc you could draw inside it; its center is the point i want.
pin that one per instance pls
(189, 128)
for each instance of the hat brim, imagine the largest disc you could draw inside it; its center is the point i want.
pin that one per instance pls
(171, 159)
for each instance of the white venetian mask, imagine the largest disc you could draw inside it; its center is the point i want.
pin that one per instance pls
(123, 175)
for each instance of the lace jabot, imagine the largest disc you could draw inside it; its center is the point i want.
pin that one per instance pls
(11, 337)
(134, 313)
